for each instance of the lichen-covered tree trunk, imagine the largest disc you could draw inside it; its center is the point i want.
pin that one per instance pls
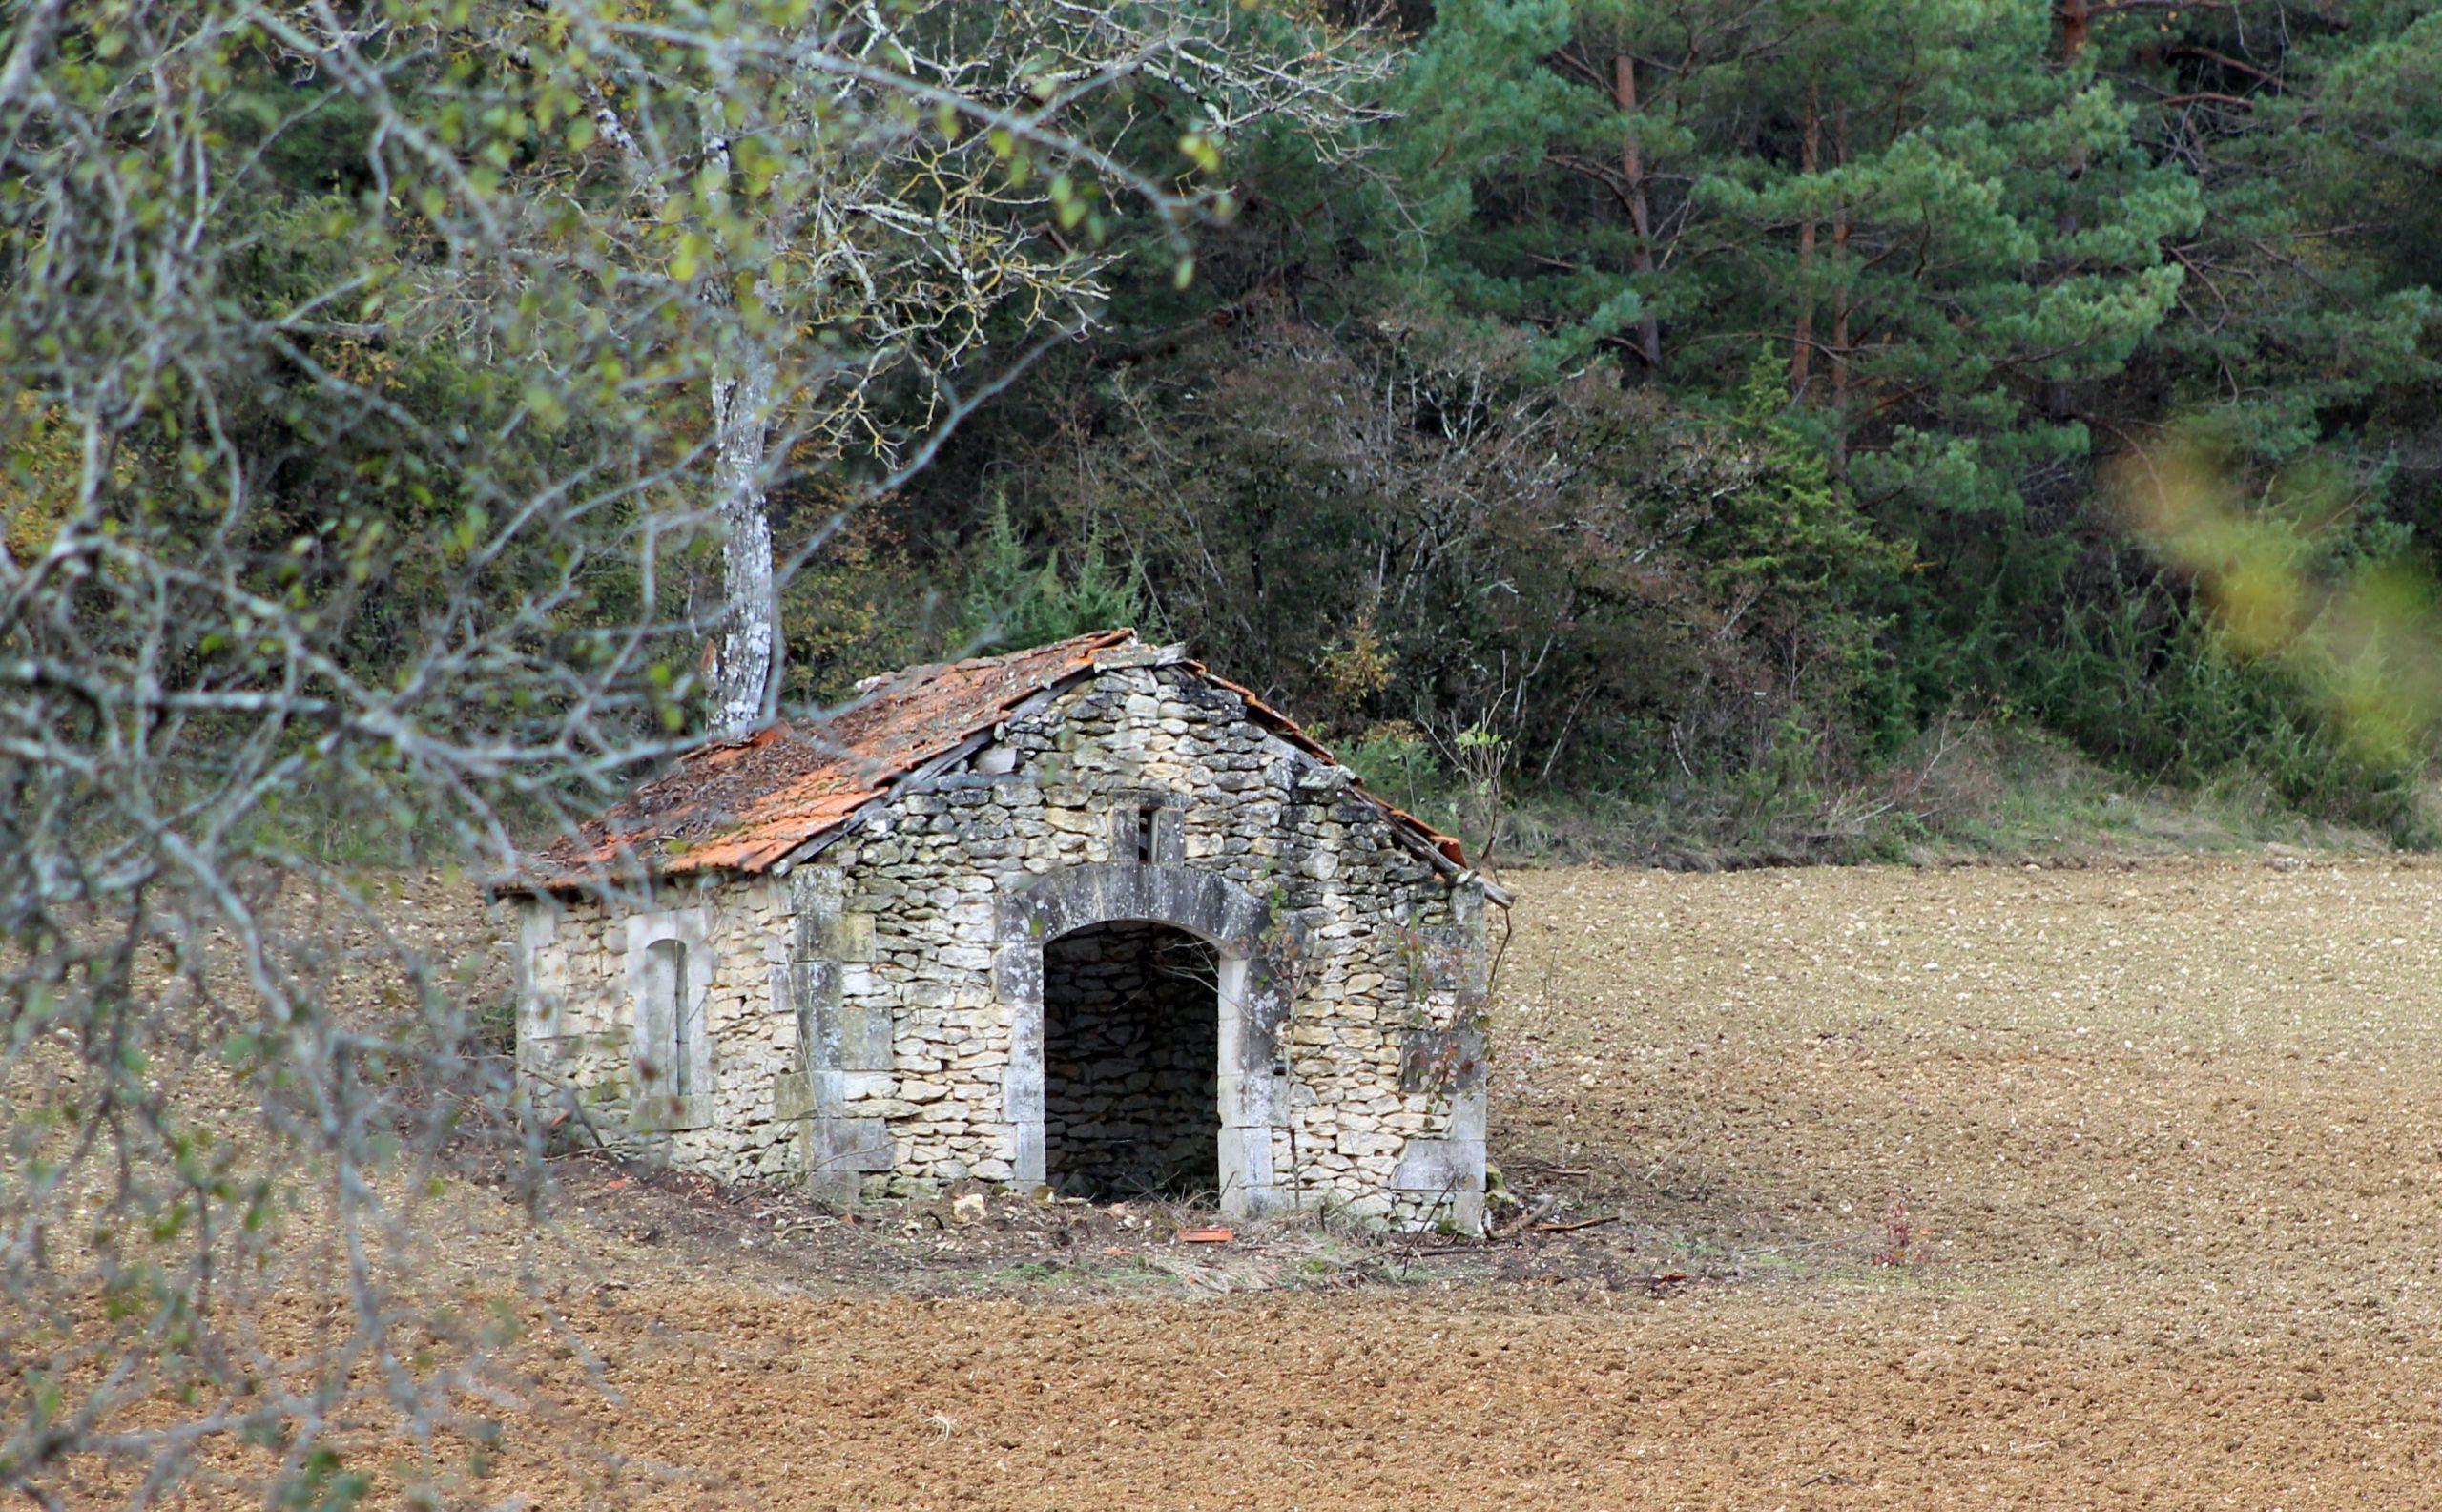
(747, 672)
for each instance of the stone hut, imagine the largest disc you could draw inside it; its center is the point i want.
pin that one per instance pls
(1087, 916)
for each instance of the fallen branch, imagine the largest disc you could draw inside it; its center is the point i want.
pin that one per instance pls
(1549, 1169)
(1581, 1223)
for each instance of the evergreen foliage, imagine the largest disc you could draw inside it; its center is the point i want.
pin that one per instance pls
(1841, 337)
(1012, 600)
(1677, 390)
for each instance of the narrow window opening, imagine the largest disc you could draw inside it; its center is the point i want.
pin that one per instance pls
(1145, 832)
(668, 1014)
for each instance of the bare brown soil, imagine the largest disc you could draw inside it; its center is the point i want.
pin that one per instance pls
(2167, 1140)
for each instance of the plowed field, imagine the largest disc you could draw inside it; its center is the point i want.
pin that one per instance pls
(1981, 1187)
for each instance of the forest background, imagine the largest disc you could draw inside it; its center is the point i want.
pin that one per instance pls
(1776, 429)
(1714, 429)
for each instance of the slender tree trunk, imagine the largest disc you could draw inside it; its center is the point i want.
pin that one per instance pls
(748, 672)
(1840, 307)
(2076, 24)
(37, 28)
(1624, 78)
(1802, 348)
(746, 676)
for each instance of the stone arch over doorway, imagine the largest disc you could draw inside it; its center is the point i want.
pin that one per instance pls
(1255, 956)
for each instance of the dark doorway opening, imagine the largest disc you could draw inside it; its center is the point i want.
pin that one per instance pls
(1131, 1040)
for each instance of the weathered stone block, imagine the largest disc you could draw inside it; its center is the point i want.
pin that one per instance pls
(667, 1112)
(1441, 1164)
(856, 1036)
(1441, 1060)
(791, 1095)
(853, 1144)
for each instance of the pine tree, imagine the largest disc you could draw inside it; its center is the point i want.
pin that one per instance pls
(1952, 235)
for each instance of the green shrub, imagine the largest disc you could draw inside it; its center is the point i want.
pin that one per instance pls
(1398, 762)
(1013, 600)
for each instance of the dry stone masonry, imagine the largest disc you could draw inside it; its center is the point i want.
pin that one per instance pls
(1130, 931)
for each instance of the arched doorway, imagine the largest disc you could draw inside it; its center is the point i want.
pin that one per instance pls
(1131, 1046)
(1253, 957)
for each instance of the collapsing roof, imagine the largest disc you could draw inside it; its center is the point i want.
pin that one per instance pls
(771, 799)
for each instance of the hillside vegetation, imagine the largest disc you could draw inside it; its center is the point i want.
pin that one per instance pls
(1684, 419)
(1712, 409)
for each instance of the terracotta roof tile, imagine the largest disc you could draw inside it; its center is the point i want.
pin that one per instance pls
(743, 805)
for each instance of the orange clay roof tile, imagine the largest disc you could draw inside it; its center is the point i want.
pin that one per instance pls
(743, 805)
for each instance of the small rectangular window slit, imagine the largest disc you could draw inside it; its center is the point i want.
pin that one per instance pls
(1145, 832)
(669, 1032)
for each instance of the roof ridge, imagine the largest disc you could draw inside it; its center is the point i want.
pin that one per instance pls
(923, 673)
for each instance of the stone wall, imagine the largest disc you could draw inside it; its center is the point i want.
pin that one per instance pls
(877, 1013)
(585, 974)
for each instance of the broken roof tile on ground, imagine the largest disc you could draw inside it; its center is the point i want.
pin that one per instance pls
(747, 804)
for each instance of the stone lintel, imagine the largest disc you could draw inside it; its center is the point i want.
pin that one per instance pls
(1204, 903)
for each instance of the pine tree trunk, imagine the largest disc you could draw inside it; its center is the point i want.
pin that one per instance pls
(1802, 346)
(747, 672)
(1840, 307)
(2076, 22)
(1624, 78)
